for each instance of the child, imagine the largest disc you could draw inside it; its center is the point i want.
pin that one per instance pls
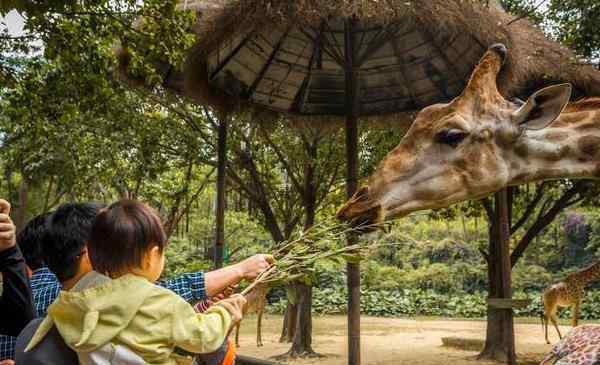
(122, 311)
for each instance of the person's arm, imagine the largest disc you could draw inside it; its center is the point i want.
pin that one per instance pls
(219, 280)
(16, 303)
(189, 286)
(43, 297)
(204, 333)
(199, 286)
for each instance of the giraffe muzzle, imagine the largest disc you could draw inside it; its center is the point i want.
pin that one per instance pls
(361, 212)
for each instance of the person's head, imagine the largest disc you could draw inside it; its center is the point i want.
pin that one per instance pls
(29, 241)
(64, 243)
(128, 237)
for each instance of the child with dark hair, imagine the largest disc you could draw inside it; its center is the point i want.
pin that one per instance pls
(121, 308)
(65, 244)
(29, 240)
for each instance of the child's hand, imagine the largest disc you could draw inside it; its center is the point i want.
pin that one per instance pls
(7, 228)
(235, 306)
(203, 305)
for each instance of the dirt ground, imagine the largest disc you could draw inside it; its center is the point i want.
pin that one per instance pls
(387, 341)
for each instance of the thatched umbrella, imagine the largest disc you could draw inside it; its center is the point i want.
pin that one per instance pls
(356, 59)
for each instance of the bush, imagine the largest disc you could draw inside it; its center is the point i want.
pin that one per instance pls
(414, 302)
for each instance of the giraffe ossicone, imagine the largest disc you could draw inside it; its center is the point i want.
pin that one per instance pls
(479, 143)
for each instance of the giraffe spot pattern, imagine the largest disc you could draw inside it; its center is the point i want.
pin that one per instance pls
(581, 346)
(589, 145)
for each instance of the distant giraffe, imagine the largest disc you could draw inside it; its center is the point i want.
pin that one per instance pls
(581, 346)
(567, 293)
(256, 303)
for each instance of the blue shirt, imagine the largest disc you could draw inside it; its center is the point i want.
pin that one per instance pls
(46, 287)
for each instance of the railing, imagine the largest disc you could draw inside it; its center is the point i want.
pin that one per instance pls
(247, 360)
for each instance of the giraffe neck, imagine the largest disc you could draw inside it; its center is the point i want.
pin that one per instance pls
(568, 148)
(591, 273)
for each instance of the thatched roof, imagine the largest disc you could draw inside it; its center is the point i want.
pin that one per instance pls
(288, 56)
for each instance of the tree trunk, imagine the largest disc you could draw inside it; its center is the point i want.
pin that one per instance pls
(220, 218)
(289, 323)
(302, 333)
(187, 218)
(302, 342)
(48, 192)
(500, 340)
(20, 212)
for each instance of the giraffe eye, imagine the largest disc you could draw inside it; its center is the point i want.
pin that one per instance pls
(451, 137)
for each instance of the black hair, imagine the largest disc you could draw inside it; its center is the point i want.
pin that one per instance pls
(122, 235)
(29, 241)
(67, 232)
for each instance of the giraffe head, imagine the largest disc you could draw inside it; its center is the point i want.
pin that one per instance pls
(456, 151)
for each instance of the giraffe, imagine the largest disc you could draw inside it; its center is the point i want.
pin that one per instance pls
(479, 143)
(581, 346)
(567, 293)
(256, 303)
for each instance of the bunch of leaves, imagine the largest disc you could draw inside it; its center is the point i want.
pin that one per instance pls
(296, 258)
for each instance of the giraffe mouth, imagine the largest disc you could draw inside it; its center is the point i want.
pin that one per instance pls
(361, 213)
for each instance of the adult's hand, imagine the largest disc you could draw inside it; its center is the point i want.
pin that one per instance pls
(235, 306)
(7, 228)
(217, 281)
(7, 362)
(251, 267)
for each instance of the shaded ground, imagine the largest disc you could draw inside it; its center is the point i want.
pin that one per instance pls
(390, 341)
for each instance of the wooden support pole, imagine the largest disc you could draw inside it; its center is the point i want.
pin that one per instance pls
(505, 267)
(500, 336)
(221, 164)
(353, 270)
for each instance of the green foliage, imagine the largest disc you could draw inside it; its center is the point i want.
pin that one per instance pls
(182, 256)
(191, 252)
(577, 24)
(70, 131)
(413, 302)
(572, 22)
(531, 277)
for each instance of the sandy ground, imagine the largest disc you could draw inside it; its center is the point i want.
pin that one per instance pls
(388, 341)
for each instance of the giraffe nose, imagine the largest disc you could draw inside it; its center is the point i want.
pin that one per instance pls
(361, 212)
(362, 194)
(348, 211)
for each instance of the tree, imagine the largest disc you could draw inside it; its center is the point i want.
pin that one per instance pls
(62, 108)
(290, 172)
(573, 23)
(538, 211)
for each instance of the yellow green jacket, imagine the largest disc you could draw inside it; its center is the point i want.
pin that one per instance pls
(131, 311)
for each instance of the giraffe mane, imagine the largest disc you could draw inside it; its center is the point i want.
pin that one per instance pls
(586, 104)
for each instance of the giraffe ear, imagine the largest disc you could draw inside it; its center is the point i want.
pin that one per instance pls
(543, 107)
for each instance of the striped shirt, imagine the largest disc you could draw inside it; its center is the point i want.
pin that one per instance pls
(46, 287)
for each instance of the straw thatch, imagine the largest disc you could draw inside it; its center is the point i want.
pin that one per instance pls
(434, 46)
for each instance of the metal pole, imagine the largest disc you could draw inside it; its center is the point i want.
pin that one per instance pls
(221, 163)
(353, 270)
